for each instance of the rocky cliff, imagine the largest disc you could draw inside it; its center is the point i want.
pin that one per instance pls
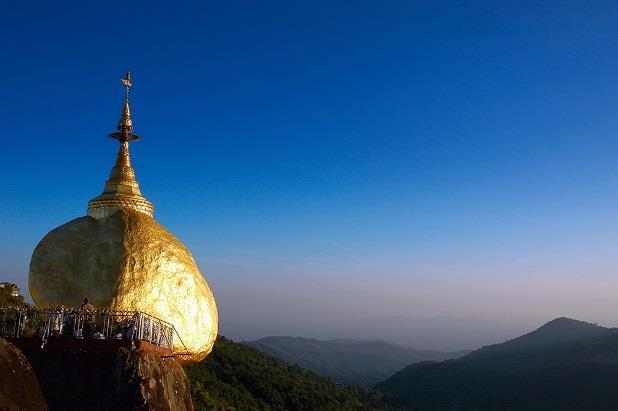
(19, 387)
(96, 377)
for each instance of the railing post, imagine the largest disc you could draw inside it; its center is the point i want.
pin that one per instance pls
(141, 326)
(151, 329)
(75, 323)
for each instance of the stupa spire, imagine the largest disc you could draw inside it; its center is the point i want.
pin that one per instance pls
(121, 189)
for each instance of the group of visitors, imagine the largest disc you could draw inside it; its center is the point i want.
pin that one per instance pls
(62, 323)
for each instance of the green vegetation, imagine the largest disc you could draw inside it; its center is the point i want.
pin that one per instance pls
(9, 295)
(565, 364)
(237, 377)
(351, 362)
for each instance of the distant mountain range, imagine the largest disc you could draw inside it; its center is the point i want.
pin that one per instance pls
(565, 364)
(439, 333)
(352, 362)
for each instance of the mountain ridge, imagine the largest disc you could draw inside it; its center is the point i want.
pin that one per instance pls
(347, 361)
(564, 364)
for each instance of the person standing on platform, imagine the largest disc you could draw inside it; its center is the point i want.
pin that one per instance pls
(88, 312)
(56, 321)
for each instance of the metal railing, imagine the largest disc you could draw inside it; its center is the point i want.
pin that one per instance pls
(98, 324)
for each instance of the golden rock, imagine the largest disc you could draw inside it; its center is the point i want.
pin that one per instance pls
(120, 257)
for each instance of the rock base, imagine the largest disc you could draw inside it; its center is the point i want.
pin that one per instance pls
(19, 387)
(88, 378)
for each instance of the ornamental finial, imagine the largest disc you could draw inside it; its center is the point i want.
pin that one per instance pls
(127, 82)
(125, 124)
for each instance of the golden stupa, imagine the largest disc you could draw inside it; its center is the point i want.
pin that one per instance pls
(120, 257)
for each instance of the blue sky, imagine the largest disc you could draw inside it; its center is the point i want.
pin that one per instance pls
(330, 159)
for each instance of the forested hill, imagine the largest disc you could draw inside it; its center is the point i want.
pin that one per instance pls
(237, 377)
(352, 362)
(565, 364)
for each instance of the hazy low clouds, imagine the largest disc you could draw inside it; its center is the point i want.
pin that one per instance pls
(446, 311)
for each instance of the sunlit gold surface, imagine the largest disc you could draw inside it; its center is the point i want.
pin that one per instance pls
(126, 261)
(121, 258)
(121, 189)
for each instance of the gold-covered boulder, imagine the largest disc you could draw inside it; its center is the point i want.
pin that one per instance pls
(126, 261)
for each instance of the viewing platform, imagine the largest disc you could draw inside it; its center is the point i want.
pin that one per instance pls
(99, 329)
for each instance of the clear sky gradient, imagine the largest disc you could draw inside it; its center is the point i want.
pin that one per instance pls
(331, 164)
